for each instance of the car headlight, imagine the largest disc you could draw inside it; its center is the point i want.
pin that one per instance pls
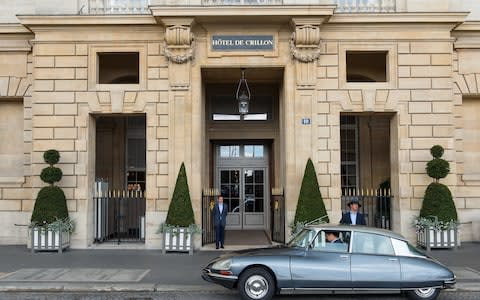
(223, 264)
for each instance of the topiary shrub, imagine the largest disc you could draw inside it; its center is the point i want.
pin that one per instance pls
(51, 204)
(310, 204)
(180, 211)
(438, 201)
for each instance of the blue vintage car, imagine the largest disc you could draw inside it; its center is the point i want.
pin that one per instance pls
(332, 259)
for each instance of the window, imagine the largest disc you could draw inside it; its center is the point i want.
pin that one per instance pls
(366, 66)
(230, 151)
(369, 243)
(253, 151)
(11, 130)
(471, 135)
(118, 67)
(349, 151)
(331, 240)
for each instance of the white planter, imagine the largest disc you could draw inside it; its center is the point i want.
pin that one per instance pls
(178, 239)
(49, 240)
(430, 237)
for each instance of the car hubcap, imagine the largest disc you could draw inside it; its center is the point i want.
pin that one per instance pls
(256, 287)
(425, 293)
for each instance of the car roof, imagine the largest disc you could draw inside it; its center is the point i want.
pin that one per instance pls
(357, 228)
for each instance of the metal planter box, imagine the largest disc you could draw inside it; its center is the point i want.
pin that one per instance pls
(49, 240)
(431, 237)
(178, 239)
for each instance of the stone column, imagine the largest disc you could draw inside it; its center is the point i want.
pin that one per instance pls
(305, 51)
(179, 51)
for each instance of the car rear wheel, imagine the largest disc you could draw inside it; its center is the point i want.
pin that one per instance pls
(424, 294)
(256, 284)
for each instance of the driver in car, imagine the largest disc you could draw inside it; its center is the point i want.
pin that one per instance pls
(333, 237)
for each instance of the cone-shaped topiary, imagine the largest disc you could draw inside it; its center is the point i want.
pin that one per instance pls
(51, 204)
(310, 204)
(180, 211)
(438, 199)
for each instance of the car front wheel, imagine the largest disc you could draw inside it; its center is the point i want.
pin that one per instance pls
(424, 294)
(256, 284)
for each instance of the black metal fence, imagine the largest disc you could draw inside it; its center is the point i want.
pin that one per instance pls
(119, 216)
(278, 215)
(375, 205)
(208, 202)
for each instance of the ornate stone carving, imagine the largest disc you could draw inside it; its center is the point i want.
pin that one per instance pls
(305, 43)
(179, 44)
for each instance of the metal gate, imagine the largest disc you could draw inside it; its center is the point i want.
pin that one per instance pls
(119, 216)
(376, 205)
(208, 202)
(278, 215)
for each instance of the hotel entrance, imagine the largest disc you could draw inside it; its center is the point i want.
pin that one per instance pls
(244, 147)
(241, 178)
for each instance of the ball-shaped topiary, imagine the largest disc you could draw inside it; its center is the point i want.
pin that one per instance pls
(51, 157)
(51, 204)
(438, 200)
(438, 168)
(437, 151)
(51, 175)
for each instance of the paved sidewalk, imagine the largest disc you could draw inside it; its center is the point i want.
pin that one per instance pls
(150, 271)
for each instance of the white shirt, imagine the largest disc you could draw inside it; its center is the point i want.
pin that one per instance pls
(220, 208)
(353, 217)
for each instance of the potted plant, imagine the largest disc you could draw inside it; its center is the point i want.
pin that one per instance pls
(179, 227)
(310, 206)
(437, 225)
(50, 224)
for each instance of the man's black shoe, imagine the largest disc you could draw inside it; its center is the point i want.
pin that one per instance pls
(216, 247)
(221, 247)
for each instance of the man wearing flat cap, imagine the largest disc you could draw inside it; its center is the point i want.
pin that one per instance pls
(353, 217)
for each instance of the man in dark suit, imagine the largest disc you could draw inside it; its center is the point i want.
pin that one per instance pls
(220, 212)
(353, 217)
(333, 237)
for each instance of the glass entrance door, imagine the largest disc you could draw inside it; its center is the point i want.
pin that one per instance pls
(244, 191)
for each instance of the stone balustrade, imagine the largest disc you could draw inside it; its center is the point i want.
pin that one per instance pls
(365, 6)
(100, 7)
(242, 2)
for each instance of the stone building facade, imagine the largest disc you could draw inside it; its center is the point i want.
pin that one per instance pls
(400, 81)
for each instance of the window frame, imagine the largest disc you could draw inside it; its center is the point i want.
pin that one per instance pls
(391, 67)
(93, 67)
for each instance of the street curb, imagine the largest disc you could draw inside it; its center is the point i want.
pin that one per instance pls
(115, 287)
(151, 287)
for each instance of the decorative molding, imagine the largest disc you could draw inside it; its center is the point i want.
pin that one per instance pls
(467, 83)
(243, 11)
(179, 40)
(49, 20)
(305, 43)
(453, 18)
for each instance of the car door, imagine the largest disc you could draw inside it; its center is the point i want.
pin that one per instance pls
(322, 266)
(374, 264)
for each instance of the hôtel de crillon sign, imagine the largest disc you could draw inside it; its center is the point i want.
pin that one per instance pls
(242, 42)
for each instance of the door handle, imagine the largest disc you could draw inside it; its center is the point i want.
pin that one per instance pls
(393, 259)
(344, 257)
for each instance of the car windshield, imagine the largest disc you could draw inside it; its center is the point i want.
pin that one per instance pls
(302, 239)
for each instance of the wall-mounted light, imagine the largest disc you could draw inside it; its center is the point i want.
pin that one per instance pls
(243, 95)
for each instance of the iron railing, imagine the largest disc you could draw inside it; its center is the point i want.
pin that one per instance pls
(375, 205)
(208, 202)
(104, 7)
(119, 216)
